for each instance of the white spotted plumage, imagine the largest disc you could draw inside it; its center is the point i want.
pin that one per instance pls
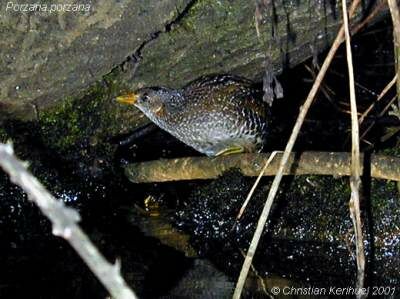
(211, 114)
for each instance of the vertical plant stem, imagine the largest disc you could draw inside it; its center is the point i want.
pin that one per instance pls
(289, 147)
(394, 11)
(355, 181)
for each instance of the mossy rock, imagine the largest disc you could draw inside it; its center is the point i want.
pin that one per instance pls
(50, 57)
(81, 128)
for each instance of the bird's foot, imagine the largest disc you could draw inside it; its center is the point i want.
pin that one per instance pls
(230, 151)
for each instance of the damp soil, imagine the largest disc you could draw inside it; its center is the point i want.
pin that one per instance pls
(309, 237)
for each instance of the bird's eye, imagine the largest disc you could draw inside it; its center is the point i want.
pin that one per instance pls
(144, 97)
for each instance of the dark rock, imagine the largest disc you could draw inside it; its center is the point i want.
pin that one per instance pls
(48, 56)
(309, 230)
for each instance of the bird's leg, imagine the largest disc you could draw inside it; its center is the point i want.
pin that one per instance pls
(231, 150)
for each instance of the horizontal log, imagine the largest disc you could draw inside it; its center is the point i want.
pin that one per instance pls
(307, 163)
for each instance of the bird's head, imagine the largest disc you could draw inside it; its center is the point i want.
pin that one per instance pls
(152, 101)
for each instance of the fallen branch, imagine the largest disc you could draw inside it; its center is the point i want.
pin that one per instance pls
(64, 221)
(307, 163)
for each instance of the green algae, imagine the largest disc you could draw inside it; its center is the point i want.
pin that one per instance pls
(63, 123)
(80, 129)
(92, 116)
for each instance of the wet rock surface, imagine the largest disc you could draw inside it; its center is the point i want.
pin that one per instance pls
(48, 56)
(37, 264)
(310, 230)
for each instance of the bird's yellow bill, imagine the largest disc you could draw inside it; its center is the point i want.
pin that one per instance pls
(129, 98)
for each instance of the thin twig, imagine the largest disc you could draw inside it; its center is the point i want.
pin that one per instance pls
(325, 90)
(377, 9)
(379, 115)
(275, 184)
(253, 188)
(355, 180)
(380, 96)
(359, 85)
(64, 220)
(394, 10)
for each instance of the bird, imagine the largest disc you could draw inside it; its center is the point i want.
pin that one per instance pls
(215, 114)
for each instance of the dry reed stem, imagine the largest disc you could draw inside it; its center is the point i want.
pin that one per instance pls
(394, 11)
(276, 182)
(377, 9)
(355, 180)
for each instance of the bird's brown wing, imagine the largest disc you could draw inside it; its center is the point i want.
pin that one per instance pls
(215, 80)
(231, 89)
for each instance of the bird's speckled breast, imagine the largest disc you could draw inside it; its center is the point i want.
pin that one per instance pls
(214, 116)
